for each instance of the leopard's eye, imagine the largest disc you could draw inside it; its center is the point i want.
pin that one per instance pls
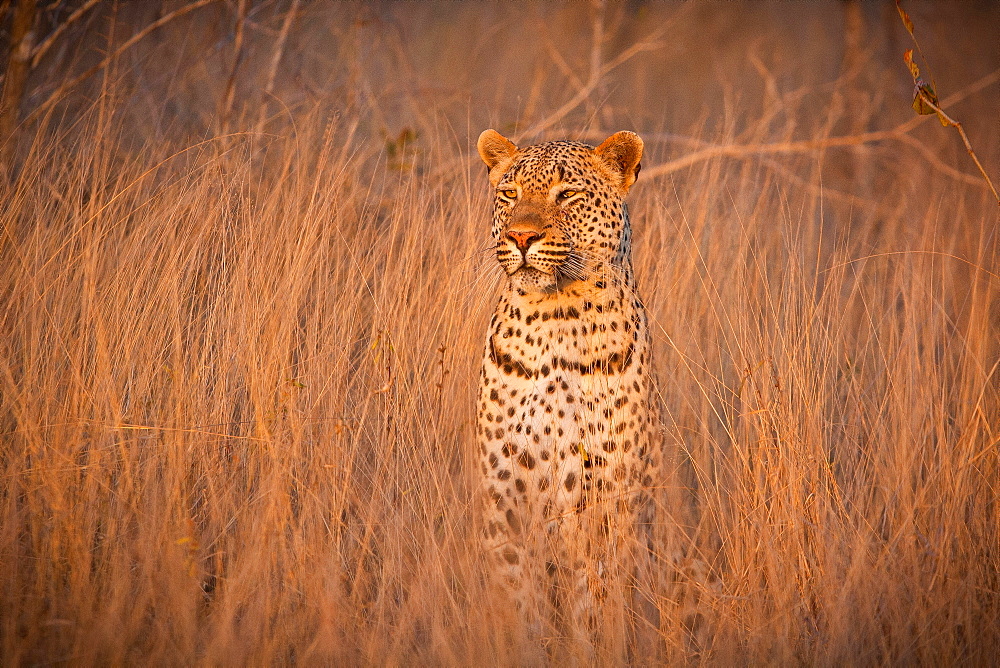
(508, 193)
(567, 194)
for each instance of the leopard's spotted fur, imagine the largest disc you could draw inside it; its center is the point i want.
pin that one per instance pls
(566, 419)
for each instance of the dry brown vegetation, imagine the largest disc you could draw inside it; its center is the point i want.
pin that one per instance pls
(240, 332)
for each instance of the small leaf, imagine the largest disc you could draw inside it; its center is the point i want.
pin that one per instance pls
(906, 18)
(908, 59)
(923, 92)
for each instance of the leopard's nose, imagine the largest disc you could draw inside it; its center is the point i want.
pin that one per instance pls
(523, 238)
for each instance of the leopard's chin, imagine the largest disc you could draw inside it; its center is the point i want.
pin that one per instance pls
(531, 279)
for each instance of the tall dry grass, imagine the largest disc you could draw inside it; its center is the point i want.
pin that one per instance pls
(237, 367)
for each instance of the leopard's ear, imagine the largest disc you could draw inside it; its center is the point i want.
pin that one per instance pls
(622, 152)
(495, 149)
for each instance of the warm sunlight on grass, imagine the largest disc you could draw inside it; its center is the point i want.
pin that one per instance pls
(239, 348)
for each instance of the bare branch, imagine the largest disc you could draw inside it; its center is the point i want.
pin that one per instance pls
(18, 67)
(46, 44)
(279, 50)
(56, 96)
(591, 84)
(898, 133)
(226, 104)
(597, 72)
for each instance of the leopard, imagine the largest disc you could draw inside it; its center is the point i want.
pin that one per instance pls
(566, 417)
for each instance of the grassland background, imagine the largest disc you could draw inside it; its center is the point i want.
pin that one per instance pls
(242, 321)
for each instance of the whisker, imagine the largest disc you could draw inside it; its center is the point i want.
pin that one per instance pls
(479, 252)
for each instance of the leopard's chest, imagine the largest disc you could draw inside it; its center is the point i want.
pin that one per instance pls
(563, 411)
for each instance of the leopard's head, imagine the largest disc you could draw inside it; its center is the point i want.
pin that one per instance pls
(559, 211)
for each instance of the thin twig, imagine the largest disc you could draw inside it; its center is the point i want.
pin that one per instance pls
(560, 62)
(937, 163)
(958, 126)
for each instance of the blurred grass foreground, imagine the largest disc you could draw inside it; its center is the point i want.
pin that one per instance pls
(245, 272)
